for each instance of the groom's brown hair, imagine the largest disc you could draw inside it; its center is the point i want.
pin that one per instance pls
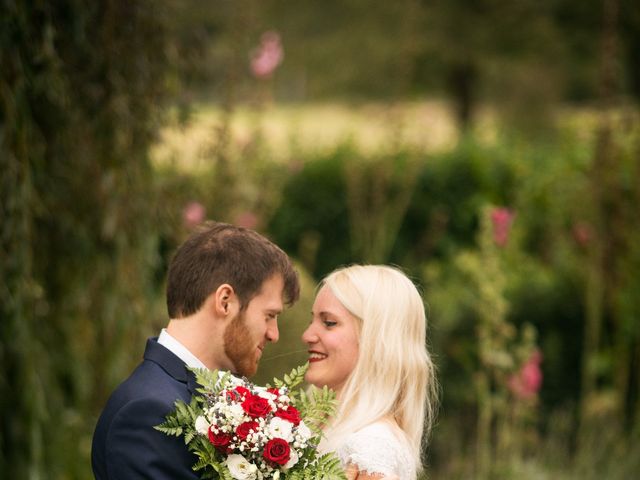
(218, 253)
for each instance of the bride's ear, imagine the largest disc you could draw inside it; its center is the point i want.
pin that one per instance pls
(225, 301)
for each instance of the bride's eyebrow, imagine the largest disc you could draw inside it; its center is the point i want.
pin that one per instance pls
(324, 315)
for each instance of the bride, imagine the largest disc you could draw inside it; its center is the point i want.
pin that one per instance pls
(366, 341)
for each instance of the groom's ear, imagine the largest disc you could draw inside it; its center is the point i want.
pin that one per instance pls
(225, 301)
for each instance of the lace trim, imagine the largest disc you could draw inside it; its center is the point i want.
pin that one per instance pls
(376, 450)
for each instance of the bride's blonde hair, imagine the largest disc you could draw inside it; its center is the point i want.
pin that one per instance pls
(394, 375)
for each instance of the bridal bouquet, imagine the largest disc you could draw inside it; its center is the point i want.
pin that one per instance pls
(241, 431)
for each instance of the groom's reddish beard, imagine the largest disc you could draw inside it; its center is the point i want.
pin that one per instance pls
(239, 347)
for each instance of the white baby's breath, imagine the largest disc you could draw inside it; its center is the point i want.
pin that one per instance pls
(266, 395)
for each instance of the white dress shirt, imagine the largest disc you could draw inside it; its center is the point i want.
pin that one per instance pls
(179, 350)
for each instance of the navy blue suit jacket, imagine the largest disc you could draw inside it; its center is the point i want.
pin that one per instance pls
(125, 444)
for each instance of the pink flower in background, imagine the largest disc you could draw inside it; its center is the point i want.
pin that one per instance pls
(502, 218)
(193, 214)
(527, 382)
(582, 233)
(268, 55)
(247, 220)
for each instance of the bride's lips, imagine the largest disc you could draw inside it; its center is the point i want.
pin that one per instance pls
(315, 356)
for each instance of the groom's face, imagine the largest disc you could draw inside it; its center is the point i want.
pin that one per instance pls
(248, 333)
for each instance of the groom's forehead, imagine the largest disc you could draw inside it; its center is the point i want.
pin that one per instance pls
(270, 294)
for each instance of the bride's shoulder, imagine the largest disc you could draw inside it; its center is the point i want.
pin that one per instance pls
(378, 448)
(380, 427)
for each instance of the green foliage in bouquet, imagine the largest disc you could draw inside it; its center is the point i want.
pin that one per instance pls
(240, 431)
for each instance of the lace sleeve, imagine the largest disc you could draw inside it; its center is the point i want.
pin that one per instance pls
(376, 451)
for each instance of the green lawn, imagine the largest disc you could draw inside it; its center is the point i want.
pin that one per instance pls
(286, 129)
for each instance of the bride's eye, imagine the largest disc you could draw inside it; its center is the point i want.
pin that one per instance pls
(329, 323)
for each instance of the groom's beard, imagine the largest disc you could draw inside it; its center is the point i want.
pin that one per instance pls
(239, 347)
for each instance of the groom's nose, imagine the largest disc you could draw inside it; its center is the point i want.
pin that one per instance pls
(272, 333)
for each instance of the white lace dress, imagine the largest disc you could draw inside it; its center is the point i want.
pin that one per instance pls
(376, 449)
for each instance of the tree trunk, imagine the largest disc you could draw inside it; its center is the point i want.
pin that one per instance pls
(603, 165)
(462, 81)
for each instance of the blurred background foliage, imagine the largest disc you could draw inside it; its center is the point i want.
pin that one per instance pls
(489, 148)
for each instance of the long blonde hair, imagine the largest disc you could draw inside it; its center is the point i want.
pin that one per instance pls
(394, 375)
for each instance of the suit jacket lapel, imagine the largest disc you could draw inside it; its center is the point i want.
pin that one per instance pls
(170, 362)
(191, 382)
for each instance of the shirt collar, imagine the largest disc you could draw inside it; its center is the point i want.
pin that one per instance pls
(175, 347)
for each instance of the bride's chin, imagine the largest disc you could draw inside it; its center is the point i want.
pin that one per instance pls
(311, 379)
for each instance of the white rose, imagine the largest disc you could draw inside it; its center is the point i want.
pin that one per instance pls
(202, 425)
(280, 428)
(303, 431)
(262, 392)
(293, 459)
(235, 413)
(240, 468)
(235, 381)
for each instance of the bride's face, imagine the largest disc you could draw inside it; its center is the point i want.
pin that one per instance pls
(332, 340)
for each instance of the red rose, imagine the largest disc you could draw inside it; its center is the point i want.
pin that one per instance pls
(275, 391)
(243, 429)
(277, 451)
(242, 391)
(289, 413)
(256, 406)
(238, 393)
(220, 440)
(232, 396)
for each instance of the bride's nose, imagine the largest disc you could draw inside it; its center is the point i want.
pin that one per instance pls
(309, 336)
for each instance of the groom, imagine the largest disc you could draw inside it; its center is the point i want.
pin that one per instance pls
(226, 286)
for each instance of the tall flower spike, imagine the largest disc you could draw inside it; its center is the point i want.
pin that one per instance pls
(193, 214)
(502, 218)
(527, 382)
(268, 55)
